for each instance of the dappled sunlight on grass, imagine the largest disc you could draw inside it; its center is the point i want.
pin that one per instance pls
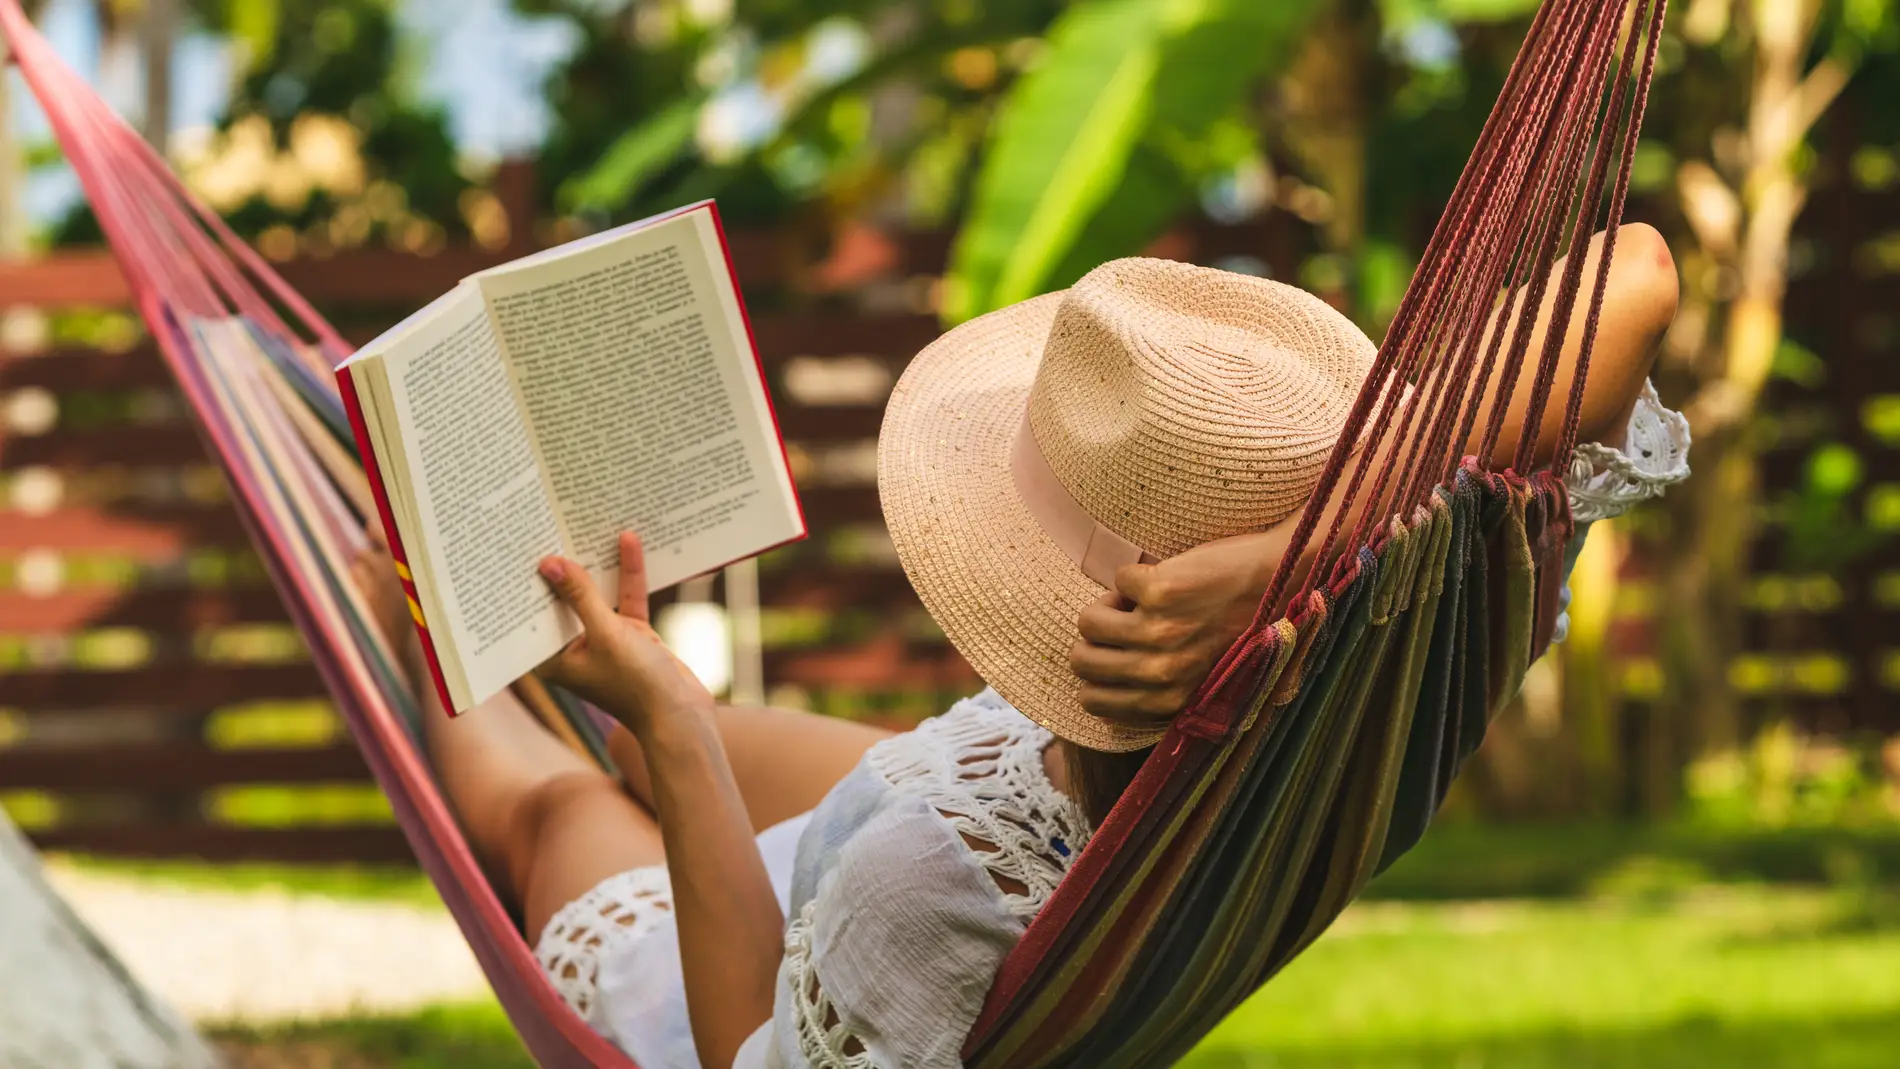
(472, 1036)
(1736, 977)
(1487, 948)
(1837, 1042)
(1733, 977)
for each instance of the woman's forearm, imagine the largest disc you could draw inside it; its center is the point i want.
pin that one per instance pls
(1639, 304)
(731, 935)
(731, 932)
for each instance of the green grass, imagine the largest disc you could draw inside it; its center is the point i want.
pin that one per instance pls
(475, 1036)
(1487, 948)
(1737, 977)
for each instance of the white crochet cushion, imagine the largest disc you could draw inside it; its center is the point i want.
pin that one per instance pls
(1606, 482)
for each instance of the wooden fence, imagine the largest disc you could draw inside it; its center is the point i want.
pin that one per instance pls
(154, 699)
(1820, 628)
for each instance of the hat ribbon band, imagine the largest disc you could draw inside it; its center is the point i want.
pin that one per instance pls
(1094, 548)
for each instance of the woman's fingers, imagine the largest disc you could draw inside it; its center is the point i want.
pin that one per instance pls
(1107, 623)
(576, 590)
(1131, 706)
(619, 663)
(633, 577)
(1128, 668)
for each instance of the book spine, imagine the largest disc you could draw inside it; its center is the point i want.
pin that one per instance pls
(352, 407)
(752, 342)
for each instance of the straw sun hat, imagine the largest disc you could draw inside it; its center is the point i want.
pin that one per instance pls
(1027, 454)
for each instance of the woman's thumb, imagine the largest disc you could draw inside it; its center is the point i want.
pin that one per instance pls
(575, 588)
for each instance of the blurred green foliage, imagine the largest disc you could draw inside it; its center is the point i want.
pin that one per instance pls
(333, 58)
(776, 106)
(342, 58)
(1824, 530)
(1057, 134)
(1132, 109)
(1784, 778)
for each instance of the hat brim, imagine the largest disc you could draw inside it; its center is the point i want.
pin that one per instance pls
(1003, 592)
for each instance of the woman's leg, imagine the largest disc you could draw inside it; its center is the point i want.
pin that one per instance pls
(785, 761)
(542, 818)
(1639, 303)
(546, 824)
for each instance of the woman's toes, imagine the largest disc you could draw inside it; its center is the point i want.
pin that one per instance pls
(374, 574)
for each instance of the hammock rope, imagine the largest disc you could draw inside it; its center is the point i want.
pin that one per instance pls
(1330, 732)
(1325, 738)
(188, 272)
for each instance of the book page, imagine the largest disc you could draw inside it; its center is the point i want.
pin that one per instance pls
(645, 400)
(478, 500)
(604, 237)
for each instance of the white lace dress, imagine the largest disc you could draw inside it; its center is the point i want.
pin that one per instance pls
(908, 885)
(904, 889)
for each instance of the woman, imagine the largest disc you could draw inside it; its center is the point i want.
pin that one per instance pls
(1063, 481)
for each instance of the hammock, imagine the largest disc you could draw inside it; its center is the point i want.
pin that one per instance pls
(1324, 740)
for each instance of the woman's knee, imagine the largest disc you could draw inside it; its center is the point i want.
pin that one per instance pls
(556, 802)
(784, 760)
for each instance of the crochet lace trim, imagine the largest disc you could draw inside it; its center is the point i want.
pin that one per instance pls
(823, 1039)
(620, 908)
(983, 772)
(1606, 482)
(980, 767)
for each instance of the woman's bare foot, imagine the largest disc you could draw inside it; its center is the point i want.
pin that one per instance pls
(374, 573)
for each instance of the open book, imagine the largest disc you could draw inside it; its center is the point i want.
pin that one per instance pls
(549, 404)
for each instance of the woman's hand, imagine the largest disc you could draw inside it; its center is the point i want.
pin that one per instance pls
(619, 662)
(1148, 644)
(731, 933)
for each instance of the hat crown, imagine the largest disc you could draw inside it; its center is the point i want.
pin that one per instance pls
(1179, 404)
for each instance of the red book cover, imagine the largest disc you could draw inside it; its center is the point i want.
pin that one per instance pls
(347, 386)
(752, 343)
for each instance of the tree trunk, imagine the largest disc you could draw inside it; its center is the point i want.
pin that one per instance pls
(1323, 122)
(158, 35)
(65, 1001)
(1741, 207)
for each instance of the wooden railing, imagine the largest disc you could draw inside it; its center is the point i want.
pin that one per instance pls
(154, 699)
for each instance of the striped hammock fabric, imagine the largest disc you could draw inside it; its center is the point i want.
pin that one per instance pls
(1329, 734)
(1318, 750)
